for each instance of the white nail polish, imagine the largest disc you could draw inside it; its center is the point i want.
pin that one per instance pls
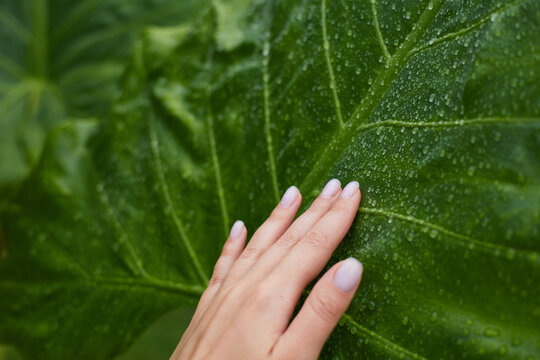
(350, 189)
(289, 197)
(331, 188)
(348, 274)
(236, 229)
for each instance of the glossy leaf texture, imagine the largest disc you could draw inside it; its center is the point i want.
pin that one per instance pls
(61, 59)
(433, 106)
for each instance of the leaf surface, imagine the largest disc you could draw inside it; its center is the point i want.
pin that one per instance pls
(434, 106)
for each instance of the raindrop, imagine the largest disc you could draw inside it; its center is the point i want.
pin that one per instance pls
(516, 341)
(491, 332)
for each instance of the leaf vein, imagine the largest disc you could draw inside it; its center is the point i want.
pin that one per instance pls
(138, 269)
(381, 340)
(267, 123)
(164, 189)
(449, 124)
(161, 285)
(380, 38)
(332, 79)
(343, 136)
(13, 24)
(467, 29)
(11, 67)
(471, 242)
(217, 173)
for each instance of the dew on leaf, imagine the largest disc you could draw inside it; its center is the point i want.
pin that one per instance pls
(491, 332)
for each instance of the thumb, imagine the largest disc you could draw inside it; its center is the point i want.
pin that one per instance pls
(322, 310)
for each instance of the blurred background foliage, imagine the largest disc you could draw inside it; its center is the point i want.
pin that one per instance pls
(60, 60)
(157, 342)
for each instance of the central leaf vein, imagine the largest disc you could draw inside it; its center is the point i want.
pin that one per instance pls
(343, 137)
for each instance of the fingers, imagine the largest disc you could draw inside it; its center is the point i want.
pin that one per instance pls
(280, 219)
(299, 228)
(307, 258)
(322, 310)
(230, 253)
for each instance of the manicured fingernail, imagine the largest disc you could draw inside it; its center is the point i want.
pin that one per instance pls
(331, 188)
(236, 229)
(289, 197)
(348, 274)
(350, 189)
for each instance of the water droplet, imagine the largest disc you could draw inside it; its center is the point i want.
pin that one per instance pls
(326, 45)
(510, 254)
(491, 332)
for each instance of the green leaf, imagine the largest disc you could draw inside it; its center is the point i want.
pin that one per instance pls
(434, 106)
(60, 59)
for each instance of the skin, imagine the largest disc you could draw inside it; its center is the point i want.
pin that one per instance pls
(245, 313)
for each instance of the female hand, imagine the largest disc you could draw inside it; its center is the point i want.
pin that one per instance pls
(245, 312)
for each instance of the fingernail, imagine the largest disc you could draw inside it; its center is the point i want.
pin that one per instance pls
(348, 274)
(289, 197)
(331, 188)
(236, 229)
(350, 189)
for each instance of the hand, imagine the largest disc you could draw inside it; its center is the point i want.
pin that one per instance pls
(246, 309)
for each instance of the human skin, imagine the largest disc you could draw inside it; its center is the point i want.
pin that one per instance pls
(245, 313)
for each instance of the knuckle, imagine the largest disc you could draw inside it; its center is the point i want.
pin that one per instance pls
(261, 294)
(341, 207)
(316, 239)
(215, 280)
(249, 252)
(286, 240)
(264, 294)
(324, 306)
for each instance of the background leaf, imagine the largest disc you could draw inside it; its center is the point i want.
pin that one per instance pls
(61, 59)
(433, 106)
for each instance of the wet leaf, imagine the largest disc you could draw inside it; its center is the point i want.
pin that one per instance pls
(433, 106)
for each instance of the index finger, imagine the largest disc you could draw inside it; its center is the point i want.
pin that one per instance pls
(308, 257)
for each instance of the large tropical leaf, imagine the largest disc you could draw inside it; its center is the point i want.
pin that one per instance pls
(61, 58)
(434, 106)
